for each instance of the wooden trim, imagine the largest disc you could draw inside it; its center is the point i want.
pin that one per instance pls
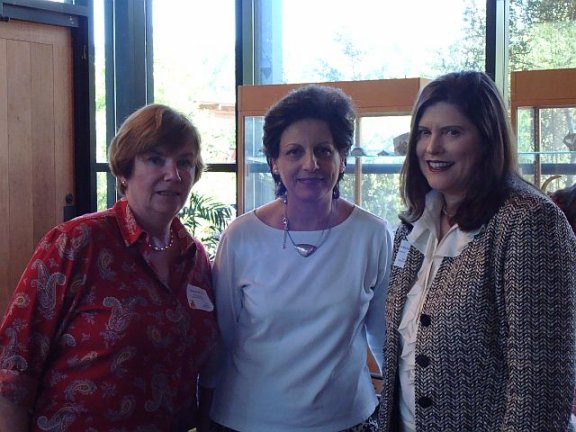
(370, 96)
(542, 89)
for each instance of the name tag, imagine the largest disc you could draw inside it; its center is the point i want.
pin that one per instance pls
(402, 254)
(198, 298)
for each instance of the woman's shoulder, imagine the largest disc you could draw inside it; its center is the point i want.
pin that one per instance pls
(364, 216)
(525, 208)
(88, 223)
(524, 197)
(73, 237)
(245, 222)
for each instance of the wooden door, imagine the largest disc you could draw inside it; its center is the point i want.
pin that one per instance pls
(36, 140)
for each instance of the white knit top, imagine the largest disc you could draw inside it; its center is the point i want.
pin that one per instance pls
(296, 330)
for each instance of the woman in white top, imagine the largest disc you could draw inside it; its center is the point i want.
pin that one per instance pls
(300, 284)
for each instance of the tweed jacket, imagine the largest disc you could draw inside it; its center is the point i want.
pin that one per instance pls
(495, 348)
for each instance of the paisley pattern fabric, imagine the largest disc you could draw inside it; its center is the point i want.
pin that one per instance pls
(94, 341)
(495, 348)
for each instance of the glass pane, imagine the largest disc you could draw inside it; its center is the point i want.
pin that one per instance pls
(348, 182)
(381, 195)
(385, 140)
(194, 71)
(259, 184)
(384, 135)
(549, 162)
(367, 39)
(102, 191)
(211, 207)
(542, 34)
(100, 82)
(219, 186)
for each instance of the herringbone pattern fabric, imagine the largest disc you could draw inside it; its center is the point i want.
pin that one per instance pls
(498, 327)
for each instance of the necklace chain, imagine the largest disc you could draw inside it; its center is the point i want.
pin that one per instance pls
(162, 248)
(303, 249)
(445, 212)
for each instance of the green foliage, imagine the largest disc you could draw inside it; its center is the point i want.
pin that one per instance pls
(206, 219)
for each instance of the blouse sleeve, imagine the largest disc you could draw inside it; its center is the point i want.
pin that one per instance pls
(33, 317)
(375, 318)
(539, 280)
(227, 294)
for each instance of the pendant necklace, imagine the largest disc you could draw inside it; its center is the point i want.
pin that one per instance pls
(303, 249)
(161, 248)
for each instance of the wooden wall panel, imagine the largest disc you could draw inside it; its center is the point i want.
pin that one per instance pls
(42, 136)
(20, 170)
(5, 289)
(63, 124)
(36, 140)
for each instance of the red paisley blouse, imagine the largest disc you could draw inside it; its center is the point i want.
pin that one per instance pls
(94, 341)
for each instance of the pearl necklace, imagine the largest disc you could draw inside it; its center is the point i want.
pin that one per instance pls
(162, 248)
(303, 249)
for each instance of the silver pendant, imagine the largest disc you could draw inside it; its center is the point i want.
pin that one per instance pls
(305, 249)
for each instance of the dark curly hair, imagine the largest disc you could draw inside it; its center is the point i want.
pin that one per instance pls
(313, 101)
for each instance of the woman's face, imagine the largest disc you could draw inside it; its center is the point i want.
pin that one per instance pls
(161, 182)
(308, 162)
(448, 148)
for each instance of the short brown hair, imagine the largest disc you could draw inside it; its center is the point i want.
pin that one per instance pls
(149, 127)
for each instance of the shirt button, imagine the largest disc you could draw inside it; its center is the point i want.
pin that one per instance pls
(425, 402)
(422, 360)
(425, 320)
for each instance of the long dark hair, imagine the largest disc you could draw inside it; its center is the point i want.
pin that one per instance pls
(478, 99)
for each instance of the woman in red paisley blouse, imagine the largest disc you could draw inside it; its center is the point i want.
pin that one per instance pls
(112, 319)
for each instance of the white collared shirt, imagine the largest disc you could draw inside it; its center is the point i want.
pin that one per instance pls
(424, 237)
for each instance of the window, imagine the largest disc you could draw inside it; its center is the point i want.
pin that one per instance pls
(369, 40)
(102, 177)
(300, 41)
(543, 104)
(194, 72)
(542, 61)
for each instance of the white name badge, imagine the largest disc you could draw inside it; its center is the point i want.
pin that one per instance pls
(402, 254)
(198, 298)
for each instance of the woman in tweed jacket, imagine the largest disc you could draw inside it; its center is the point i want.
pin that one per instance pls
(482, 298)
